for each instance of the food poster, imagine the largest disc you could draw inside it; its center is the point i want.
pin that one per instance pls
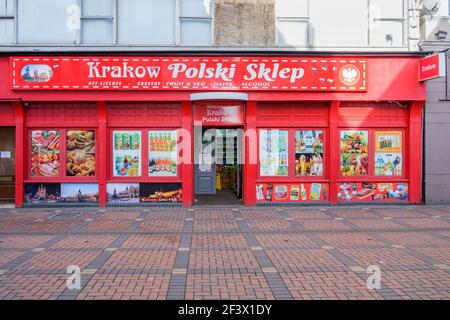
(309, 153)
(42, 193)
(45, 153)
(273, 152)
(126, 153)
(80, 153)
(388, 153)
(162, 156)
(367, 191)
(353, 149)
(388, 141)
(122, 192)
(160, 192)
(291, 192)
(388, 164)
(79, 192)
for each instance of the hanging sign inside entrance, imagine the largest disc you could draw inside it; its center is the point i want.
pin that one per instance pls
(217, 114)
(188, 73)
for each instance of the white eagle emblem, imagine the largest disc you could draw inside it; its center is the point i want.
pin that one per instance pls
(349, 74)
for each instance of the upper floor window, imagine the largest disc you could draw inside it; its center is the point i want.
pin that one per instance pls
(387, 23)
(292, 22)
(106, 22)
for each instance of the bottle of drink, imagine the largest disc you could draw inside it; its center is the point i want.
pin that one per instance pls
(269, 192)
(303, 192)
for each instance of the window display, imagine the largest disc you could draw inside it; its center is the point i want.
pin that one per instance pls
(80, 157)
(127, 153)
(273, 152)
(162, 156)
(354, 157)
(309, 153)
(388, 153)
(289, 192)
(45, 153)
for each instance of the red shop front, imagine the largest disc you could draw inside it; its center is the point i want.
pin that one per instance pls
(124, 130)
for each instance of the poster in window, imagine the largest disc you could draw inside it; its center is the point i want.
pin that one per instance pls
(309, 153)
(388, 141)
(353, 148)
(79, 192)
(162, 156)
(388, 153)
(273, 152)
(45, 153)
(126, 153)
(42, 193)
(80, 156)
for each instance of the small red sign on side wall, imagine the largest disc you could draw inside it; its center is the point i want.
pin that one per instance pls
(432, 66)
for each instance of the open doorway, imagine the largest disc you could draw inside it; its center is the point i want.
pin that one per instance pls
(218, 169)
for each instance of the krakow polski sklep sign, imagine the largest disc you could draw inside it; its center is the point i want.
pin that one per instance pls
(188, 73)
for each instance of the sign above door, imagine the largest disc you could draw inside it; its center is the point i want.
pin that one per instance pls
(218, 114)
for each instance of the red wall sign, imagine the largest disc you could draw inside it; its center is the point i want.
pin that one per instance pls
(216, 114)
(432, 66)
(188, 73)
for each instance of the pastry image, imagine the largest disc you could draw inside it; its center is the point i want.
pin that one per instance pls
(80, 160)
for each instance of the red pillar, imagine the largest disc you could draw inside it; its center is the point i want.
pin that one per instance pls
(102, 155)
(333, 150)
(20, 164)
(250, 155)
(186, 156)
(415, 152)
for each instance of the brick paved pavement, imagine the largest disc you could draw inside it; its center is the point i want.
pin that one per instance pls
(226, 253)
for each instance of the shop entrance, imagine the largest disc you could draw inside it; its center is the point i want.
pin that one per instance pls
(218, 165)
(7, 164)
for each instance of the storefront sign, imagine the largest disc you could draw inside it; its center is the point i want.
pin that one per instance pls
(432, 67)
(188, 73)
(5, 154)
(219, 114)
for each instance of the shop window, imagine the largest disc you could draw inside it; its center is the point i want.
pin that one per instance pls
(388, 153)
(80, 153)
(309, 152)
(97, 18)
(126, 153)
(162, 157)
(196, 22)
(273, 152)
(354, 152)
(45, 153)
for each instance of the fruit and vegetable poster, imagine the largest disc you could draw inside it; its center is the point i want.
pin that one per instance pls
(80, 156)
(354, 148)
(388, 153)
(162, 156)
(273, 152)
(309, 153)
(126, 153)
(160, 192)
(45, 145)
(291, 192)
(367, 191)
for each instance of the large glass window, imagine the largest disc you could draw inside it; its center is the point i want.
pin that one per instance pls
(80, 153)
(273, 152)
(162, 156)
(195, 22)
(354, 153)
(292, 22)
(146, 22)
(126, 153)
(7, 19)
(309, 152)
(45, 153)
(388, 153)
(97, 18)
(387, 23)
(48, 21)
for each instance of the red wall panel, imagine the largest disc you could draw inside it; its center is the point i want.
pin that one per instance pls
(144, 114)
(292, 114)
(61, 114)
(373, 114)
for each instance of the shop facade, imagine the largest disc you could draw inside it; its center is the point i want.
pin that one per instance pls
(108, 130)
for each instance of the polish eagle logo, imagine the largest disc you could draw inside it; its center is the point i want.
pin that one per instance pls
(349, 74)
